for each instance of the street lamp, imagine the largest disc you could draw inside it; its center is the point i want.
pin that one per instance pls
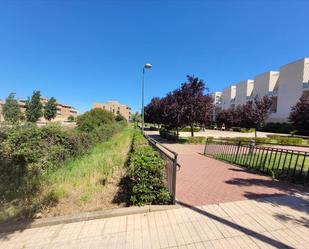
(147, 66)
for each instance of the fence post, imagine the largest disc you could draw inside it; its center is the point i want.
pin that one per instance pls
(174, 178)
(205, 146)
(239, 144)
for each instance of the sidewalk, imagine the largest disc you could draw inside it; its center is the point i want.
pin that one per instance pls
(278, 222)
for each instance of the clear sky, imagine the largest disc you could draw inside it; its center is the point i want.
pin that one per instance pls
(86, 51)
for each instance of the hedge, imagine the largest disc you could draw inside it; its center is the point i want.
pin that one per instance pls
(147, 175)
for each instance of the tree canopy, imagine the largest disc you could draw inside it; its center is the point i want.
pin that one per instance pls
(186, 105)
(299, 115)
(11, 110)
(34, 107)
(50, 109)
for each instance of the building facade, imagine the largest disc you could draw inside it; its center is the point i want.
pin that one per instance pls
(63, 111)
(243, 92)
(228, 97)
(284, 87)
(115, 107)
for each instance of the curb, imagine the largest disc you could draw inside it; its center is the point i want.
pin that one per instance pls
(85, 216)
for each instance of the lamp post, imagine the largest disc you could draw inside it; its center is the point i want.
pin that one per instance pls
(146, 66)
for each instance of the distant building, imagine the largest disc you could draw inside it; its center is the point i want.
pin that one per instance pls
(115, 107)
(217, 96)
(228, 97)
(63, 111)
(284, 87)
(243, 92)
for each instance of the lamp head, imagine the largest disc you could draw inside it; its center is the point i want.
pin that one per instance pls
(148, 66)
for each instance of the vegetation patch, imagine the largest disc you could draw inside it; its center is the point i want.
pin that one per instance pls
(30, 156)
(147, 174)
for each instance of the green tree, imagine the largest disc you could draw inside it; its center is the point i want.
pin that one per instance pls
(11, 110)
(34, 107)
(71, 118)
(50, 109)
(136, 118)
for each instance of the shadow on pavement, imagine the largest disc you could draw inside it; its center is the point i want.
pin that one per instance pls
(249, 232)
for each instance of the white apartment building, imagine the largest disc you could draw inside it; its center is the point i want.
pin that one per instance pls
(293, 83)
(217, 96)
(228, 97)
(243, 92)
(285, 87)
(267, 84)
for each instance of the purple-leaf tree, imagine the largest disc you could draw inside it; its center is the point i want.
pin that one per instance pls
(299, 114)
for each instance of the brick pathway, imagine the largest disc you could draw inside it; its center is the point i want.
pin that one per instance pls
(203, 180)
(278, 222)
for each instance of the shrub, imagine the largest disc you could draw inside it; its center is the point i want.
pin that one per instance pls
(188, 129)
(94, 118)
(196, 140)
(243, 130)
(278, 127)
(169, 135)
(146, 172)
(120, 118)
(287, 140)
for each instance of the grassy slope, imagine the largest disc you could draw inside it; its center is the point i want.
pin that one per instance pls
(87, 183)
(80, 183)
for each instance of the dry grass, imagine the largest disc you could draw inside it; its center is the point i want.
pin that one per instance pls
(92, 181)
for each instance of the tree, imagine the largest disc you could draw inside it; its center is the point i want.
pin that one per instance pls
(34, 107)
(120, 118)
(261, 111)
(136, 118)
(205, 108)
(192, 93)
(50, 109)
(153, 111)
(71, 118)
(11, 110)
(91, 120)
(299, 114)
(253, 114)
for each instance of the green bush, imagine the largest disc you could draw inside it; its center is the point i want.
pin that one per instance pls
(243, 130)
(278, 127)
(94, 118)
(196, 140)
(188, 129)
(287, 140)
(169, 135)
(146, 172)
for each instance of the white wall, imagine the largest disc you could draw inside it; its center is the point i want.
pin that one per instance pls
(243, 90)
(265, 83)
(291, 81)
(228, 94)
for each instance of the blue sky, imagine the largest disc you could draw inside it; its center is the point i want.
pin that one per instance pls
(86, 51)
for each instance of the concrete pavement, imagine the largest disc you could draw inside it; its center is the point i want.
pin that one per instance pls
(277, 222)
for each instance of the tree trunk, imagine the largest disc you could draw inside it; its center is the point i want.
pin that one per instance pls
(177, 131)
(192, 130)
(255, 134)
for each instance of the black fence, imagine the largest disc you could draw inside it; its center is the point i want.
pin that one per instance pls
(171, 165)
(274, 160)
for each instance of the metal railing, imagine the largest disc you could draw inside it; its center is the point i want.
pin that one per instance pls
(274, 160)
(171, 165)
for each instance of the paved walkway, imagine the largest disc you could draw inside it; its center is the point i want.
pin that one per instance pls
(202, 180)
(220, 134)
(278, 222)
